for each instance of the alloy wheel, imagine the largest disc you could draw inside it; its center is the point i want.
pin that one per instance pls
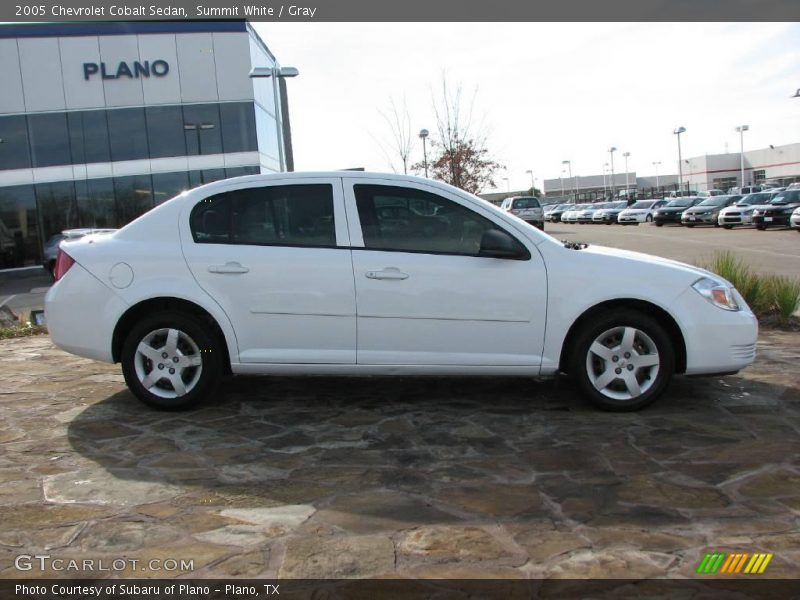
(622, 363)
(168, 363)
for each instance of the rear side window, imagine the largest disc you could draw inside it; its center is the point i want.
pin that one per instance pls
(288, 215)
(410, 220)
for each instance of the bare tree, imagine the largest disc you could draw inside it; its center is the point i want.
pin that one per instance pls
(402, 140)
(459, 154)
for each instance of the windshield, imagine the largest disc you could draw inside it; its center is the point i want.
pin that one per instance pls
(714, 201)
(680, 202)
(622, 204)
(786, 197)
(644, 204)
(752, 199)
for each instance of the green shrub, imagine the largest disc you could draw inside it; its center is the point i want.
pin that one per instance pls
(766, 294)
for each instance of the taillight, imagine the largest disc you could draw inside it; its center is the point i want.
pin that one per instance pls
(63, 263)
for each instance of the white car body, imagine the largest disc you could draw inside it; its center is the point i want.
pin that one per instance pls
(571, 216)
(795, 219)
(346, 309)
(639, 215)
(741, 213)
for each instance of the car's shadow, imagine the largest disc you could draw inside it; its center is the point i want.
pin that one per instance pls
(467, 443)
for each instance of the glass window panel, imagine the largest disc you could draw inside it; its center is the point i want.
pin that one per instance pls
(14, 150)
(49, 139)
(88, 134)
(133, 197)
(197, 178)
(58, 209)
(397, 218)
(239, 171)
(165, 131)
(202, 129)
(19, 229)
(290, 215)
(169, 185)
(95, 199)
(238, 127)
(128, 134)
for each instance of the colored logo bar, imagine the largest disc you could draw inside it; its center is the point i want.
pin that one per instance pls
(734, 563)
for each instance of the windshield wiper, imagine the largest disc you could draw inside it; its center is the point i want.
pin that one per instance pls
(574, 245)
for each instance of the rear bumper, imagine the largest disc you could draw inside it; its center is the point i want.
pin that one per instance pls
(81, 313)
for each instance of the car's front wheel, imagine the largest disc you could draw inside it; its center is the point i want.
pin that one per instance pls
(622, 361)
(171, 361)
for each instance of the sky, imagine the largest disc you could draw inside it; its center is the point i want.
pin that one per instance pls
(543, 92)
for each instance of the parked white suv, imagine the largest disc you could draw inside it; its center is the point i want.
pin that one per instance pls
(526, 208)
(364, 274)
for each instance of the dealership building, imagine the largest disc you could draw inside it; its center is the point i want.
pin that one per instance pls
(100, 122)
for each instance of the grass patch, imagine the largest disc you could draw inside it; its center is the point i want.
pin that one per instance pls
(21, 330)
(770, 296)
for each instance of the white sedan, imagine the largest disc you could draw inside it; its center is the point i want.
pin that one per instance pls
(640, 212)
(376, 274)
(794, 221)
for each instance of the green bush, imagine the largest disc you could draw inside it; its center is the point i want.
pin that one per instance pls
(767, 295)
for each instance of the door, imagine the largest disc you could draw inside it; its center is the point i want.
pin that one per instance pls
(424, 296)
(276, 259)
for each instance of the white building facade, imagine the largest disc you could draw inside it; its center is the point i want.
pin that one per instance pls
(99, 122)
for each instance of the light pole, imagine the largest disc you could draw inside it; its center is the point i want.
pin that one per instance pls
(275, 72)
(655, 164)
(197, 127)
(574, 181)
(561, 177)
(678, 133)
(613, 183)
(627, 185)
(533, 185)
(423, 134)
(605, 188)
(508, 185)
(740, 130)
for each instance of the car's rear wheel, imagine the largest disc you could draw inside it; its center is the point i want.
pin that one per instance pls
(761, 227)
(622, 361)
(728, 226)
(171, 361)
(659, 224)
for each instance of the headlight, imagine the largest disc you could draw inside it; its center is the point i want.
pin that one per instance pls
(719, 294)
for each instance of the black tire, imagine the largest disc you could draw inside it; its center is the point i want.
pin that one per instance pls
(689, 226)
(622, 319)
(716, 225)
(210, 353)
(761, 227)
(728, 226)
(659, 224)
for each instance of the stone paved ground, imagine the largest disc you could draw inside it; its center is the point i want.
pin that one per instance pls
(373, 477)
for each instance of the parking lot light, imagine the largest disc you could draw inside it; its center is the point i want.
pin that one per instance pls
(574, 181)
(740, 130)
(678, 133)
(655, 164)
(627, 185)
(533, 184)
(613, 183)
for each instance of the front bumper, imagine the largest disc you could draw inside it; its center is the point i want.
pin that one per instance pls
(637, 218)
(771, 220)
(698, 219)
(668, 218)
(717, 341)
(736, 219)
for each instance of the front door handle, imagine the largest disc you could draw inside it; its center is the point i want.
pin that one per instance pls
(387, 273)
(229, 267)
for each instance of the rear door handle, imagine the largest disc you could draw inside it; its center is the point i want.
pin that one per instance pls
(387, 273)
(229, 268)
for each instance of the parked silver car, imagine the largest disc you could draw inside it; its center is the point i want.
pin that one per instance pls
(526, 208)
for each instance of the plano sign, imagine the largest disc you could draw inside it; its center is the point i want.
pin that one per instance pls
(135, 70)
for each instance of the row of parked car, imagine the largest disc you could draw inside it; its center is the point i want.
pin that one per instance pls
(779, 207)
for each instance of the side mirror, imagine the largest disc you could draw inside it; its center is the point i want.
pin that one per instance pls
(498, 244)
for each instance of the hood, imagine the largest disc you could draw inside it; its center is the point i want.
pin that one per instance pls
(689, 270)
(673, 209)
(702, 209)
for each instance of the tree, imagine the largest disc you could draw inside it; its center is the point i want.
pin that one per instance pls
(459, 155)
(402, 141)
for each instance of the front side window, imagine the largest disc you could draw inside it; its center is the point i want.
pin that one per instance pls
(288, 215)
(405, 219)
